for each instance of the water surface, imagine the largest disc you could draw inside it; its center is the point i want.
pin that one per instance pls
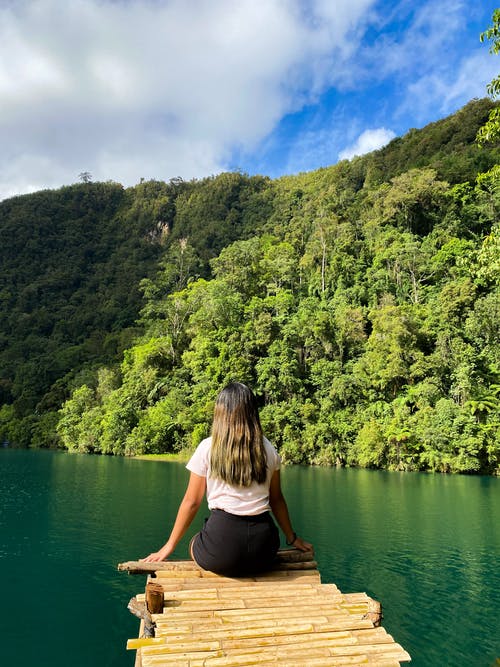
(426, 546)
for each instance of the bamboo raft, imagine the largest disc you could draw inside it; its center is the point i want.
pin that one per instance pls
(284, 617)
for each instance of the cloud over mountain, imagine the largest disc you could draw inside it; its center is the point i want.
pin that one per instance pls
(127, 89)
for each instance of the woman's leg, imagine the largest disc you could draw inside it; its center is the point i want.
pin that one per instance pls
(219, 546)
(263, 544)
(235, 545)
(191, 542)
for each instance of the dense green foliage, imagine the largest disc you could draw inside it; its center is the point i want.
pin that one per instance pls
(70, 266)
(490, 131)
(360, 301)
(72, 261)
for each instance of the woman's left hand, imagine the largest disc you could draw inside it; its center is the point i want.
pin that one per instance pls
(157, 556)
(302, 545)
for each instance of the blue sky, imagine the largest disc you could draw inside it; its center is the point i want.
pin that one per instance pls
(415, 63)
(131, 89)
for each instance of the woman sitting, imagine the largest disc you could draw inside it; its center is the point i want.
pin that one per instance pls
(239, 470)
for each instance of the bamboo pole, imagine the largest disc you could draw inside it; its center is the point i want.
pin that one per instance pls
(285, 559)
(154, 597)
(284, 616)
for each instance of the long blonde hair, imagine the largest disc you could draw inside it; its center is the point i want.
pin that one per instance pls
(237, 454)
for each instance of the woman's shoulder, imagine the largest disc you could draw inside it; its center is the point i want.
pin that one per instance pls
(267, 443)
(198, 462)
(205, 443)
(203, 449)
(272, 454)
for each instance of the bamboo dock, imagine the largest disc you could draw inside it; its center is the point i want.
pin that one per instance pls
(284, 617)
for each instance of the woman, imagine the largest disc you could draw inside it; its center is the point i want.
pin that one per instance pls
(239, 470)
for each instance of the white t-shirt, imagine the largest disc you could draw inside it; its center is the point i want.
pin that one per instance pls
(241, 500)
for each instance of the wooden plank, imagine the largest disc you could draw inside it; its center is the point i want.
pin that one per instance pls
(274, 599)
(324, 661)
(306, 601)
(285, 616)
(182, 659)
(275, 604)
(138, 658)
(249, 588)
(210, 660)
(215, 624)
(200, 578)
(291, 661)
(303, 635)
(259, 654)
(263, 589)
(279, 611)
(285, 559)
(343, 622)
(175, 583)
(306, 640)
(282, 611)
(286, 654)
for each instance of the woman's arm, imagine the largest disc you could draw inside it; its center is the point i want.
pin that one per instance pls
(187, 511)
(280, 511)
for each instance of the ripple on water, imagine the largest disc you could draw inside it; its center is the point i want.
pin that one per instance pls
(426, 546)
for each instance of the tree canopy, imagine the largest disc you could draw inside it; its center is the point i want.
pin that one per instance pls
(490, 131)
(360, 301)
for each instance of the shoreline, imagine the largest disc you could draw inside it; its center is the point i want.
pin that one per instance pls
(178, 457)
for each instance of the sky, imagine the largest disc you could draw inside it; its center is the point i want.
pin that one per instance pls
(157, 89)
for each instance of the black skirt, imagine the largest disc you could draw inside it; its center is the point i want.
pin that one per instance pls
(234, 545)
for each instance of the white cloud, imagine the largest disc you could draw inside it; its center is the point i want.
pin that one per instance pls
(155, 88)
(369, 140)
(421, 45)
(160, 88)
(471, 79)
(447, 90)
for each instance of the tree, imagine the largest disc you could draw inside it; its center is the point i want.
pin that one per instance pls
(414, 200)
(491, 129)
(363, 309)
(391, 352)
(85, 177)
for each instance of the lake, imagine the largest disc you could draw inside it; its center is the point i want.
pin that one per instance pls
(427, 546)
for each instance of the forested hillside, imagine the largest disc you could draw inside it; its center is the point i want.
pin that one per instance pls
(360, 301)
(70, 295)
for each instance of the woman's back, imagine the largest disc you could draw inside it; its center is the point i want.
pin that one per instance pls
(240, 500)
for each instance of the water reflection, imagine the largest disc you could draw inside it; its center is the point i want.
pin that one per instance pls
(427, 546)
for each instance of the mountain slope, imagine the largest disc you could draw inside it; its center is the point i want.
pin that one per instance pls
(87, 271)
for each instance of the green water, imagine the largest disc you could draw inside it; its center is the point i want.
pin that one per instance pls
(427, 546)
